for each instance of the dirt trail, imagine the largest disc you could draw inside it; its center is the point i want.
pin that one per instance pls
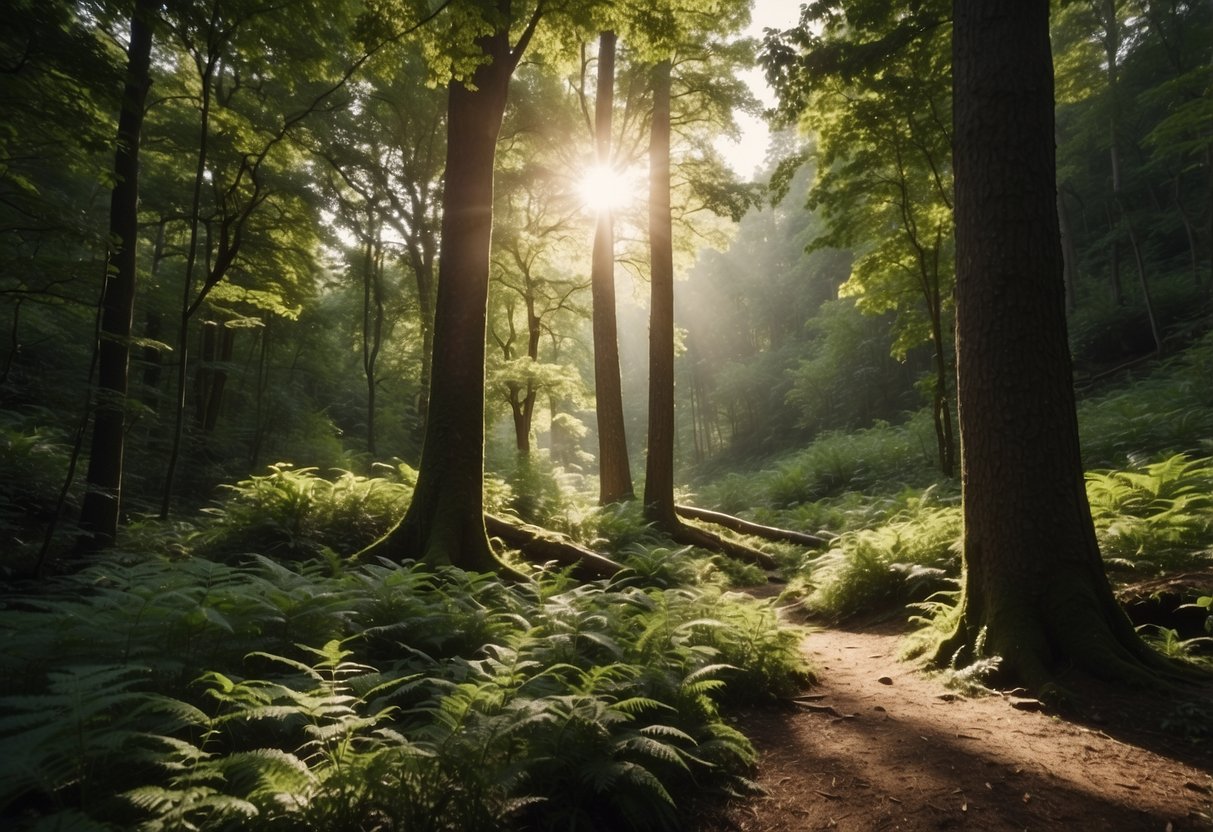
(880, 746)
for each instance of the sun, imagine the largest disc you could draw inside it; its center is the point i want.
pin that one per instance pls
(603, 188)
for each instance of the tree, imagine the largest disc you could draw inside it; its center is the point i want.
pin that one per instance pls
(659, 469)
(871, 83)
(659, 506)
(445, 519)
(387, 152)
(614, 471)
(102, 500)
(1035, 593)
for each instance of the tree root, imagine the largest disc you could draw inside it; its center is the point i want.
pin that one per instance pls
(540, 545)
(741, 526)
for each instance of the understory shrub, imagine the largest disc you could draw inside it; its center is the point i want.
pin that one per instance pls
(878, 460)
(869, 571)
(1168, 412)
(294, 514)
(154, 694)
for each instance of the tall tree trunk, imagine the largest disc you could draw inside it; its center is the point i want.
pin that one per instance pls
(372, 327)
(614, 472)
(659, 471)
(1143, 281)
(1035, 592)
(445, 520)
(421, 256)
(102, 500)
(152, 356)
(224, 348)
(206, 70)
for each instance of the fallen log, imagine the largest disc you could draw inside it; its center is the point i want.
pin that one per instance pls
(746, 527)
(540, 545)
(689, 535)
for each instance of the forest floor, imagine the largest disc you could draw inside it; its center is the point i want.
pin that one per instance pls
(876, 744)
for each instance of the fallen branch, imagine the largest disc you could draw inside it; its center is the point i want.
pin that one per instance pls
(746, 527)
(540, 545)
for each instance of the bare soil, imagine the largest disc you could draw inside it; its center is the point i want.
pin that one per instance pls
(877, 744)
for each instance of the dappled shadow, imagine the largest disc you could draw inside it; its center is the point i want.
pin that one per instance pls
(879, 746)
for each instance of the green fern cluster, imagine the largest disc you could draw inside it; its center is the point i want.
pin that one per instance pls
(1155, 516)
(191, 694)
(294, 514)
(866, 571)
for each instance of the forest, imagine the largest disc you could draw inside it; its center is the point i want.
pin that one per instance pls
(411, 418)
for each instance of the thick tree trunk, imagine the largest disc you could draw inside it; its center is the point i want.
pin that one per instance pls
(659, 471)
(102, 500)
(445, 520)
(614, 472)
(1035, 592)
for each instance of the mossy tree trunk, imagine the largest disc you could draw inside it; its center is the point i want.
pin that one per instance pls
(445, 520)
(1035, 591)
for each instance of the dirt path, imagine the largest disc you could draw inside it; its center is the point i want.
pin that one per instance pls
(879, 746)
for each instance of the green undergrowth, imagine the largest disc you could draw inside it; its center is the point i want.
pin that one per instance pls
(152, 693)
(1165, 410)
(879, 460)
(1151, 519)
(293, 513)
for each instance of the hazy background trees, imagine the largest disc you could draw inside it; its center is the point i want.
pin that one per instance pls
(289, 245)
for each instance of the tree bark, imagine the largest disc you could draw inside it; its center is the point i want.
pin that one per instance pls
(659, 470)
(614, 472)
(372, 326)
(445, 520)
(101, 507)
(206, 70)
(1035, 591)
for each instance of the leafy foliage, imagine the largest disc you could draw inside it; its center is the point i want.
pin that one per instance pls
(262, 695)
(293, 514)
(1157, 515)
(869, 570)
